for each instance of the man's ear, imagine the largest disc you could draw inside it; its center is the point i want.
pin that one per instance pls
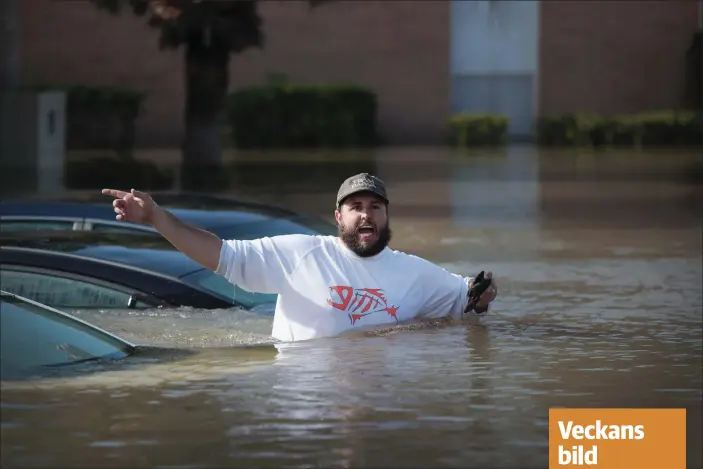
(338, 217)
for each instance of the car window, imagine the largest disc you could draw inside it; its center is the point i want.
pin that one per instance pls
(9, 226)
(111, 228)
(31, 336)
(63, 292)
(219, 286)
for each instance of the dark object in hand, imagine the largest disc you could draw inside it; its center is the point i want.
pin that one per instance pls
(478, 287)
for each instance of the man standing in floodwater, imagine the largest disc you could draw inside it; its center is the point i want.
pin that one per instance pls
(326, 285)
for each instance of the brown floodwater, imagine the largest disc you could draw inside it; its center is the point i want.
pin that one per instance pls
(599, 262)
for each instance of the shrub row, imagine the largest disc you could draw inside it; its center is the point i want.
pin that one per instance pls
(466, 129)
(282, 115)
(302, 116)
(643, 129)
(635, 130)
(269, 116)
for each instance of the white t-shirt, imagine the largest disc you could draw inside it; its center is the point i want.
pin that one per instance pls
(324, 289)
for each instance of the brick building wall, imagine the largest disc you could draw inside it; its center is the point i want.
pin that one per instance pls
(613, 57)
(400, 49)
(74, 43)
(598, 56)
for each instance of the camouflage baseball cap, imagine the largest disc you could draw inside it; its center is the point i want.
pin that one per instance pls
(363, 182)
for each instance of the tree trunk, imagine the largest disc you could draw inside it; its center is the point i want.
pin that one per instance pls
(10, 74)
(207, 79)
(10, 151)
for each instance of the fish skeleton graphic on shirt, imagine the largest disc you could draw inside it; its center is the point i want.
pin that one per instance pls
(360, 302)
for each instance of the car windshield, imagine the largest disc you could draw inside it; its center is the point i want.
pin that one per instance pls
(272, 227)
(32, 336)
(275, 227)
(219, 286)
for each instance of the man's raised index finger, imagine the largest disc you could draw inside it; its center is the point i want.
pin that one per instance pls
(114, 193)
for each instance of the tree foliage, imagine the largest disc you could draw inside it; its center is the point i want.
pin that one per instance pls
(233, 25)
(210, 31)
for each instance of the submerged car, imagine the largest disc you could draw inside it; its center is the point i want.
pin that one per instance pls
(227, 217)
(80, 270)
(33, 335)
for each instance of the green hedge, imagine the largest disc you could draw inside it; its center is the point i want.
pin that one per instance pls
(635, 130)
(467, 129)
(100, 117)
(302, 116)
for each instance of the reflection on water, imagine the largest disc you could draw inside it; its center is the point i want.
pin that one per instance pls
(515, 187)
(503, 193)
(597, 308)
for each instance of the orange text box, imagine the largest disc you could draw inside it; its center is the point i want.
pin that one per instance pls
(617, 438)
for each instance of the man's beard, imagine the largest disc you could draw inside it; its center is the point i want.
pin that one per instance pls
(350, 237)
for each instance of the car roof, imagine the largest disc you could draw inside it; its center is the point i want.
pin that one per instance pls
(176, 200)
(201, 218)
(230, 223)
(207, 211)
(151, 253)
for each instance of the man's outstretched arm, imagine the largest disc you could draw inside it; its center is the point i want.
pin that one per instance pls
(198, 244)
(138, 207)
